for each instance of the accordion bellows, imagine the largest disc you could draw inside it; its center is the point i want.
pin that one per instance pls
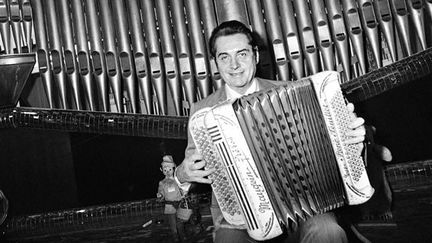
(280, 155)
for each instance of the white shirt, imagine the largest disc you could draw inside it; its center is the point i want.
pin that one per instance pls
(231, 94)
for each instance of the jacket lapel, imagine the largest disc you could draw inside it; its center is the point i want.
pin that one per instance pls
(264, 84)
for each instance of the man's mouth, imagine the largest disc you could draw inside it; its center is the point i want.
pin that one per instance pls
(236, 74)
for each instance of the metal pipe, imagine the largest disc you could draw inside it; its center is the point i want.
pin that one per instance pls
(154, 52)
(83, 65)
(370, 27)
(352, 20)
(339, 34)
(208, 15)
(415, 8)
(265, 68)
(98, 63)
(400, 13)
(42, 51)
(276, 38)
(231, 10)
(140, 55)
(4, 26)
(198, 48)
(289, 29)
(127, 69)
(322, 33)
(169, 54)
(16, 19)
(55, 50)
(71, 66)
(307, 37)
(183, 50)
(27, 18)
(385, 19)
(111, 54)
(428, 7)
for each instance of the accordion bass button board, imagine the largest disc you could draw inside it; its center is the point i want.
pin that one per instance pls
(280, 156)
(224, 188)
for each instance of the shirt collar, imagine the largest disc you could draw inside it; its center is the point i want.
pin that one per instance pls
(232, 94)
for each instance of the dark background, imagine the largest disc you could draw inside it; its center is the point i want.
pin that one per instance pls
(403, 118)
(46, 170)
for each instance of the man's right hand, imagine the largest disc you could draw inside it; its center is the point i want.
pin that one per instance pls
(192, 170)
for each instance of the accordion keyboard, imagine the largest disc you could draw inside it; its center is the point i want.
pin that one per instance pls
(355, 163)
(337, 116)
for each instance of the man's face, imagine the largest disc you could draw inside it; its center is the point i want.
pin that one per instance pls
(236, 61)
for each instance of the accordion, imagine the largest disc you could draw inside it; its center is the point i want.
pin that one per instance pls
(280, 155)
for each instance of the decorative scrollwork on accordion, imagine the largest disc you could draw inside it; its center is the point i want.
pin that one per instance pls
(280, 155)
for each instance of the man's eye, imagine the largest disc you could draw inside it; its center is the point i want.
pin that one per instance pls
(243, 54)
(223, 58)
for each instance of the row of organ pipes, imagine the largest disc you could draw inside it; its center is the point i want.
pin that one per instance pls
(152, 56)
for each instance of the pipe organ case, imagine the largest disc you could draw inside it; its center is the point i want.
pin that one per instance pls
(152, 56)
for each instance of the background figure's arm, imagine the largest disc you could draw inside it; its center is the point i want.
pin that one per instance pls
(160, 193)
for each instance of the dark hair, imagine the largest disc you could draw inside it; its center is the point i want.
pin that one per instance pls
(230, 28)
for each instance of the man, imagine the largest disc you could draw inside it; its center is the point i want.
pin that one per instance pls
(236, 55)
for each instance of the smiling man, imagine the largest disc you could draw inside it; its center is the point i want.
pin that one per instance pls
(236, 55)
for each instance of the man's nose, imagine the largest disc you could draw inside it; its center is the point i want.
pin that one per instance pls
(234, 63)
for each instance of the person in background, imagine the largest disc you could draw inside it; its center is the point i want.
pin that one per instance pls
(170, 193)
(235, 51)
